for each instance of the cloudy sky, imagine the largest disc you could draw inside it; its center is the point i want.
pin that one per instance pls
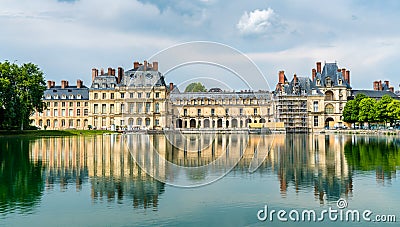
(68, 38)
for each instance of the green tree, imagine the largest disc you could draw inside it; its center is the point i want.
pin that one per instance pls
(195, 87)
(393, 110)
(367, 110)
(351, 109)
(21, 92)
(381, 109)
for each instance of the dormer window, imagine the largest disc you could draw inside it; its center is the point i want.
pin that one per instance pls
(104, 85)
(71, 97)
(63, 97)
(48, 96)
(328, 82)
(340, 81)
(318, 82)
(55, 96)
(79, 97)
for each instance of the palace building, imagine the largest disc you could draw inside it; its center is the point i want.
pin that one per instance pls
(140, 99)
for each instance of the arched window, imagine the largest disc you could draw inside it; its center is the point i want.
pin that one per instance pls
(329, 96)
(329, 109)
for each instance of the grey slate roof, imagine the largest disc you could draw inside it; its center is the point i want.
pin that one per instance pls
(140, 78)
(57, 93)
(303, 86)
(220, 95)
(331, 70)
(104, 82)
(373, 94)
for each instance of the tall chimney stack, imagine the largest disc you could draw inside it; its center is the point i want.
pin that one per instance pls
(376, 85)
(145, 65)
(101, 71)
(94, 73)
(281, 77)
(79, 83)
(380, 85)
(135, 64)
(109, 71)
(347, 76)
(63, 83)
(344, 74)
(49, 84)
(155, 65)
(314, 74)
(171, 86)
(319, 67)
(295, 79)
(53, 83)
(120, 74)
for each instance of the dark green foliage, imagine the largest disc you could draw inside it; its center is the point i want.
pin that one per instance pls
(195, 87)
(21, 92)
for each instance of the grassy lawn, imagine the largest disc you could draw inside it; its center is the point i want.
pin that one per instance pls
(52, 132)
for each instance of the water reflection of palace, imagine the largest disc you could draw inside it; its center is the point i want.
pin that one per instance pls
(323, 163)
(104, 161)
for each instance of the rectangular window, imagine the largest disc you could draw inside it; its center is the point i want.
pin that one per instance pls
(148, 95)
(86, 104)
(122, 95)
(78, 112)
(96, 95)
(63, 104)
(131, 108)
(78, 104)
(71, 123)
(157, 108)
(103, 108)
(139, 95)
(104, 95)
(131, 95)
(241, 111)
(112, 108)
(147, 107)
(140, 107)
(315, 121)
(55, 114)
(63, 112)
(212, 112)
(56, 104)
(48, 113)
(157, 95)
(112, 96)
(62, 123)
(122, 108)
(315, 106)
(103, 122)
(227, 112)
(184, 112)
(71, 104)
(255, 111)
(70, 112)
(157, 122)
(85, 112)
(199, 112)
(96, 108)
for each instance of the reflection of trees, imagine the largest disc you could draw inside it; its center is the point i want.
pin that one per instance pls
(21, 183)
(374, 153)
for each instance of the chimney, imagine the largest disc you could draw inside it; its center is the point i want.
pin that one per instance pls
(391, 89)
(53, 83)
(109, 71)
(387, 83)
(145, 65)
(380, 85)
(120, 74)
(79, 83)
(319, 67)
(281, 77)
(155, 65)
(66, 83)
(94, 73)
(314, 74)
(171, 86)
(295, 79)
(101, 71)
(49, 82)
(63, 83)
(135, 64)
(347, 76)
(344, 74)
(375, 85)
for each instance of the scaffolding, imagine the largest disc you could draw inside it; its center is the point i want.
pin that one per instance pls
(292, 110)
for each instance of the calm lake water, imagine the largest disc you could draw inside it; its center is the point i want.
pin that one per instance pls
(196, 180)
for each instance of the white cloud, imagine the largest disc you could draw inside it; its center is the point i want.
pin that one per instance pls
(257, 21)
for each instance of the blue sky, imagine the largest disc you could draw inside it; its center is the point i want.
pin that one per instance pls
(68, 38)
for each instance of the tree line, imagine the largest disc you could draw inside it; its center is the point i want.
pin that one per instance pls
(21, 92)
(364, 109)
